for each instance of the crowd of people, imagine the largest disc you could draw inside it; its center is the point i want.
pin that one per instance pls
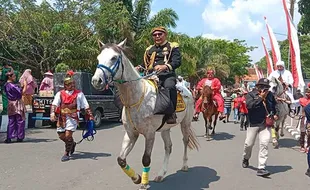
(17, 93)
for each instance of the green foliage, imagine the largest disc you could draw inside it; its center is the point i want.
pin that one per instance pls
(304, 10)
(62, 67)
(44, 37)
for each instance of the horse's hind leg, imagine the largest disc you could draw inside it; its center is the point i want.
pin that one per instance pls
(127, 145)
(185, 128)
(168, 148)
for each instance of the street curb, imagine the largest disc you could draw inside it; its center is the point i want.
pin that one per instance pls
(30, 123)
(292, 130)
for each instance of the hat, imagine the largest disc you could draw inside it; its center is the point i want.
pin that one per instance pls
(179, 77)
(160, 28)
(48, 73)
(308, 85)
(263, 82)
(280, 63)
(69, 77)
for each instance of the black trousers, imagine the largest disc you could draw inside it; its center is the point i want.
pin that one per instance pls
(169, 82)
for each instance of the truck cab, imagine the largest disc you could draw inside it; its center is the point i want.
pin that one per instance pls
(104, 104)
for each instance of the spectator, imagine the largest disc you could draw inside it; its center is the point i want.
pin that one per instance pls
(227, 105)
(7, 67)
(47, 83)
(237, 104)
(16, 109)
(28, 80)
(244, 121)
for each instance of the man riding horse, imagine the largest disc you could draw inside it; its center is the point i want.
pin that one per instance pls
(163, 57)
(215, 85)
(285, 76)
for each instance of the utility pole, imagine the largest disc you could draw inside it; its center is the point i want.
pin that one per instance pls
(292, 7)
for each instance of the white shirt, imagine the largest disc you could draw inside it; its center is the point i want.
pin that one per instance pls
(80, 101)
(285, 74)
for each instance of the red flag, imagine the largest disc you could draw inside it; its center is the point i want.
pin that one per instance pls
(275, 49)
(294, 50)
(268, 59)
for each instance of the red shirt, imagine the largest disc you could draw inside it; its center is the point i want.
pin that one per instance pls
(243, 108)
(304, 101)
(237, 102)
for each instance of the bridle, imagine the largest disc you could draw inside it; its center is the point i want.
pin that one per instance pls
(113, 70)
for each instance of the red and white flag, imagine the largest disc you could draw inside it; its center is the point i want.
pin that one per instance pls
(258, 73)
(275, 49)
(294, 50)
(268, 59)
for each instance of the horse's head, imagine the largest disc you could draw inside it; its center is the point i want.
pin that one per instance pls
(207, 93)
(110, 64)
(276, 86)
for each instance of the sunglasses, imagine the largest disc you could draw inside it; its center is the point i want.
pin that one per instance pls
(157, 34)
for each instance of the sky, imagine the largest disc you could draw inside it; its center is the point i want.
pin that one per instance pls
(230, 19)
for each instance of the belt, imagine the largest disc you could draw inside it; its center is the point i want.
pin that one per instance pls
(68, 111)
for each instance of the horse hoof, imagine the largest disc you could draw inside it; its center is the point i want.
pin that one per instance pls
(184, 168)
(159, 179)
(282, 135)
(137, 181)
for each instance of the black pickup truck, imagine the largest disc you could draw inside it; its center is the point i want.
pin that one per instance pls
(103, 104)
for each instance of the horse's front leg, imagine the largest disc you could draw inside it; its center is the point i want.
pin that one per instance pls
(214, 123)
(168, 148)
(208, 136)
(127, 145)
(146, 159)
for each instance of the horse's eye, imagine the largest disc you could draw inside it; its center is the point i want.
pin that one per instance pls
(114, 58)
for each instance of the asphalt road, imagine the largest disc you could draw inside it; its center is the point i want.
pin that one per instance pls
(35, 164)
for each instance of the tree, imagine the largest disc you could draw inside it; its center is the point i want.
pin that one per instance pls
(304, 10)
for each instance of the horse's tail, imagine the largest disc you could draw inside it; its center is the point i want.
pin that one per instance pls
(192, 140)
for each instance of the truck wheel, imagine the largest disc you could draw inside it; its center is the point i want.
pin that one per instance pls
(97, 118)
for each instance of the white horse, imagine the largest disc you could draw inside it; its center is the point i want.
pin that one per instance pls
(139, 97)
(283, 108)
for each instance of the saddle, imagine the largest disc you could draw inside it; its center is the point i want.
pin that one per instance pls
(163, 103)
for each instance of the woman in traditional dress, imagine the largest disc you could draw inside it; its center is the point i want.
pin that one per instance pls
(16, 109)
(47, 82)
(31, 85)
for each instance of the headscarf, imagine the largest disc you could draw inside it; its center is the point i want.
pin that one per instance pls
(26, 76)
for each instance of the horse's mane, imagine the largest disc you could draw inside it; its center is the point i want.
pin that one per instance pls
(127, 51)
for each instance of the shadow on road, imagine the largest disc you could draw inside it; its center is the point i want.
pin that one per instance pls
(274, 169)
(197, 178)
(89, 155)
(288, 143)
(223, 136)
(32, 140)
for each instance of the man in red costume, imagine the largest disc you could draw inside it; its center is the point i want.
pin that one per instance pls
(215, 85)
(69, 101)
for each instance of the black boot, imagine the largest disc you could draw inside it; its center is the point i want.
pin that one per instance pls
(308, 172)
(172, 119)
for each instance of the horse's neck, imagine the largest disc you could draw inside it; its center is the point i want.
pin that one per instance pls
(134, 89)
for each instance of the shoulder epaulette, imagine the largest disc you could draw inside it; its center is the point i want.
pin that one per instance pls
(174, 44)
(148, 48)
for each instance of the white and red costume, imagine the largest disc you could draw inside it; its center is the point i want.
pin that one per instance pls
(215, 85)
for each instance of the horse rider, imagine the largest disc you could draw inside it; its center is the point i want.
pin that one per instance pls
(69, 101)
(215, 85)
(285, 76)
(163, 57)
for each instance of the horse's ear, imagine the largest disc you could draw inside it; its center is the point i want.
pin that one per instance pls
(122, 44)
(100, 44)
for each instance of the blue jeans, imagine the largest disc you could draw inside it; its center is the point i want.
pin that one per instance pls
(236, 114)
(227, 110)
